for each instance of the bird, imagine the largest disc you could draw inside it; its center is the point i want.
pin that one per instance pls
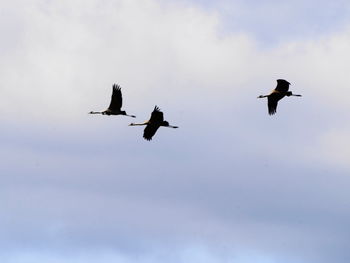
(278, 93)
(152, 125)
(115, 105)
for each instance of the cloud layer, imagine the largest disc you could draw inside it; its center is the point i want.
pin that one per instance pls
(232, 184)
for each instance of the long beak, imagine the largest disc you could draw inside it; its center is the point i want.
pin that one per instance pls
(296, 95)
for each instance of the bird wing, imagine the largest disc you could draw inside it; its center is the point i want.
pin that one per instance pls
(150, 130)
(282, 86)
(153, 124)
(157, 116)
(117, 99)
(272, 102)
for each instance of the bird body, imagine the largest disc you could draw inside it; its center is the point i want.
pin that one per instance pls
(277, 94)
(115, 105)
(153, 124)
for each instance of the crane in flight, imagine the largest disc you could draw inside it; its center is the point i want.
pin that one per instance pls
(115, 105)
(153, 124)
(277, 94)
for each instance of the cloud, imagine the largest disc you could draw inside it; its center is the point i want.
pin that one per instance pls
(68, 56)
(231, 184)
(333, 148)
(274, 22)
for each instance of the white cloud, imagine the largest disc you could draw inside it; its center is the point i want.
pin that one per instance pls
(332, 148)
(68, 54)
(229, 181)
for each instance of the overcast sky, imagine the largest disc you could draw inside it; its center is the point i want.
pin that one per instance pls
(231, 185)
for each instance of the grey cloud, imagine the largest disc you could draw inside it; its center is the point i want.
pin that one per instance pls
(274, 22)
(232, 184)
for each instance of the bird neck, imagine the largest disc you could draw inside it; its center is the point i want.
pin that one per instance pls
(262, 96)
(137, 124)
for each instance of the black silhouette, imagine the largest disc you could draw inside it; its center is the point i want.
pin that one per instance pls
(153, 124)
(116, 104)
(278, 93)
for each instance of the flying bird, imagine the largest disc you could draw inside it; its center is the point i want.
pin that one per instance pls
(115, 105)
(156, 120)
(278, 93)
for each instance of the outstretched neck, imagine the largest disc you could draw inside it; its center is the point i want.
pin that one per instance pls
(137, 124)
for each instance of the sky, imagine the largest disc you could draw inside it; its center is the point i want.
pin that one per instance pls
(231, 185)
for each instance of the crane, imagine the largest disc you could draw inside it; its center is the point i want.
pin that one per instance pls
(277, 94)
(115, 105)
(153, 124)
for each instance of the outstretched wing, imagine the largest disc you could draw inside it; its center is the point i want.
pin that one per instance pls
(150, 130)
(282, 85)
(117, 99)
(272, 102)
(153, 124)
(157, 116)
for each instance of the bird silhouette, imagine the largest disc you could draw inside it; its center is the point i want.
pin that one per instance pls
(277, 94)
(156, 120)
(115, 105)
